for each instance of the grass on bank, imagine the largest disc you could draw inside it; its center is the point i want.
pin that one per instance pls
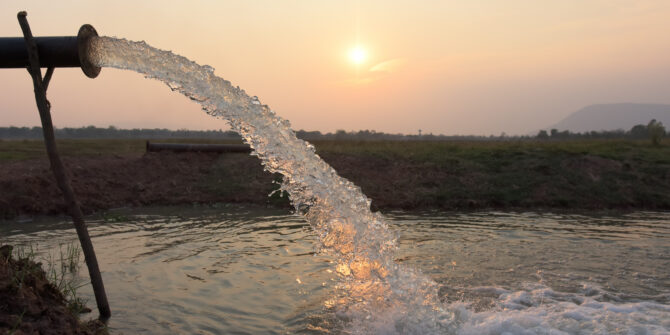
(61, 269)
(39, 292)
(446, 152)
(596, 174)
(557, 174)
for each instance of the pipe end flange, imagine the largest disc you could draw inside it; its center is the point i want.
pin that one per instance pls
(86, 32)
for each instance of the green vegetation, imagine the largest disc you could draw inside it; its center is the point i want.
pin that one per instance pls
(493, 151)
(475, 174)
(572, 173)
(656, 131)
(61, 271)
(112, 217)
(35, 301)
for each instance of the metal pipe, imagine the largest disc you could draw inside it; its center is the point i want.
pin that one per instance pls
(53, 51)
(190, 147)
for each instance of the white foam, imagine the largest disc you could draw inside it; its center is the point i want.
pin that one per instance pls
(540, 310)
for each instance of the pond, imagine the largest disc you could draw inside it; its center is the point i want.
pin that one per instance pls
(238, 270)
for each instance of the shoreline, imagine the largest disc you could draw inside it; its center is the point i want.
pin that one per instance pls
(34, 304)
(121, 214)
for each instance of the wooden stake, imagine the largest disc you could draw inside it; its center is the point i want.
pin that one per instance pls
(43, 105)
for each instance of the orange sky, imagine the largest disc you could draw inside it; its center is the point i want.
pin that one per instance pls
(451, 67)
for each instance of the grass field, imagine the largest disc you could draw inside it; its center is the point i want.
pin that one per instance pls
(436, 152)
(596, 174)
(566, 174)
(494, 151)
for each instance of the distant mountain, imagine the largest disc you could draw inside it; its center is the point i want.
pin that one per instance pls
(614, 116)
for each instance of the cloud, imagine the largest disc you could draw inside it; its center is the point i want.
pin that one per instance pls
(388, 66)
(377, 72)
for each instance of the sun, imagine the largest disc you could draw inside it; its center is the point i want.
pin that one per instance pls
(358, 55)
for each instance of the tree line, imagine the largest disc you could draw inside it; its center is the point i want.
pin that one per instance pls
(654, 130)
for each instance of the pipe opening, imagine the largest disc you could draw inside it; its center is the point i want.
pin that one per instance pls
(53, 51)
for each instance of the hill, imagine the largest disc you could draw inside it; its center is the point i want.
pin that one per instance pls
(614, 116)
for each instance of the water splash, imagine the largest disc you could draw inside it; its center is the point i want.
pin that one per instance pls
(377, 295)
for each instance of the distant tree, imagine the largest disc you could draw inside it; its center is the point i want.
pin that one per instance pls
(656, 131)
(309, 135)
(639, 131)
(340, 134)
(554, 132)
(542, 135)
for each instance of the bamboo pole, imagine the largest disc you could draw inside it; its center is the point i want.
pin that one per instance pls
(58, 169)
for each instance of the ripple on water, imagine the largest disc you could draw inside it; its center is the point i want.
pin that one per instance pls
(257, 273)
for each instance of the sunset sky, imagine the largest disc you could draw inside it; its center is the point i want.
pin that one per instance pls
(446, 67)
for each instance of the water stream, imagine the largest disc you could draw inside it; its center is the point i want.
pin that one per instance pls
(374, 294)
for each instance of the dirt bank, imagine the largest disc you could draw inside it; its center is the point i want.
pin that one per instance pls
(569, 180)
(29, 304)
(105, 182)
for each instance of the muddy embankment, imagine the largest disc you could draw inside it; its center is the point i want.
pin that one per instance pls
(30, 304)
(571, 181)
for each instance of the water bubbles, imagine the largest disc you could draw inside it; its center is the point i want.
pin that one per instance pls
(254, 100)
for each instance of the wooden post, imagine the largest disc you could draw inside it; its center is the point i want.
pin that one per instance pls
(58, 169)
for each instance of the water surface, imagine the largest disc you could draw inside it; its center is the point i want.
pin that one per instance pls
(238, 270)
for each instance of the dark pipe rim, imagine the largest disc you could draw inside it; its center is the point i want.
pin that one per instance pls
(86, 33)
